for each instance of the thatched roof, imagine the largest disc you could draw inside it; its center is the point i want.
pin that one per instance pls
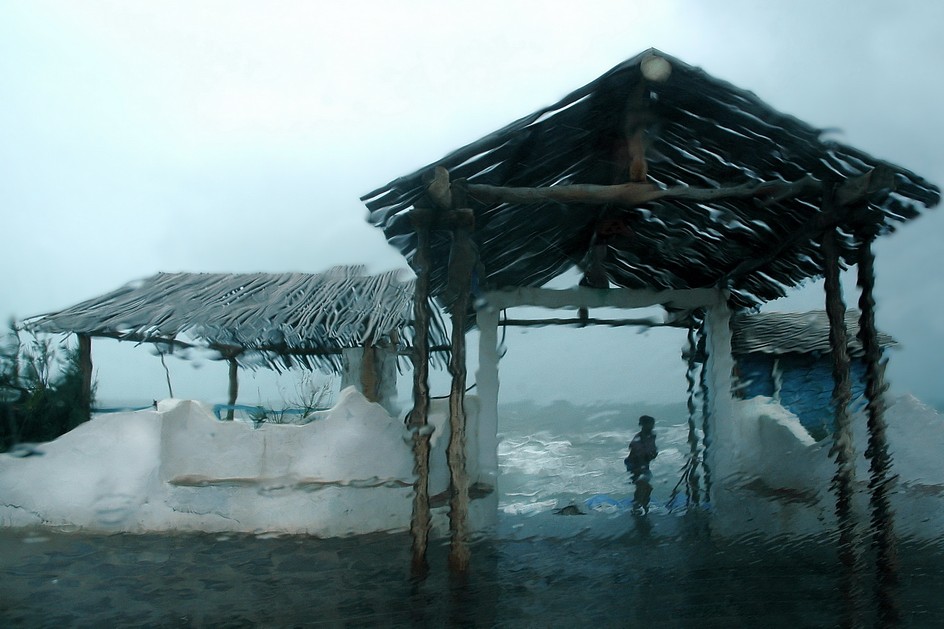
(275, 319)
(702, 133)
(793, 333)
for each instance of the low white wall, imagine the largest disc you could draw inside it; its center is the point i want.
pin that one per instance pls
(776, 479)
(768, 475)
(179, 468)
(101, 475)
(357, 443)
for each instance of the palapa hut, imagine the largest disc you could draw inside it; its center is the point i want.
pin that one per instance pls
(667, 187)
(339, 321)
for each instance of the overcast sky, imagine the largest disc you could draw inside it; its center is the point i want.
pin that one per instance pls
(138, 137)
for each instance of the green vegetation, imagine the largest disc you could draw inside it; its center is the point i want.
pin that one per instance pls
(40, 389)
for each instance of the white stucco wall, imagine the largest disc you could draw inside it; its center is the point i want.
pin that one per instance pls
(769, 475)
(179, 468)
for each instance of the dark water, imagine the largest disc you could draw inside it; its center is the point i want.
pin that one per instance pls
(640, 577)
(536, 569)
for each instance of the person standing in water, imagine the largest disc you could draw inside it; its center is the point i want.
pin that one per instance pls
(642, 450)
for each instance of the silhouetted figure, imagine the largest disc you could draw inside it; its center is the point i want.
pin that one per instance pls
(642, 450)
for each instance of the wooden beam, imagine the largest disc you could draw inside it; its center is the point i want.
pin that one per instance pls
(585, 297)
(706, 418)
(844, 478)
(410, 351)
(233, 386)
(417, 421)
(881, 481)
(370, 380)
(693, 486)
(858, 189)
(225, 349)
(170, 388)
(462, 261)
(137, 338)
(580, 321)
(636, 121)
(280, 350)
(439, 190)
(630, 194)
(633, 194)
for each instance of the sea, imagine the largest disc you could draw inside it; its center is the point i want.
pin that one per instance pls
(603, 566)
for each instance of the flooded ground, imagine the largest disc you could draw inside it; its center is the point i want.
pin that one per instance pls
(637, 578)
(606, 568)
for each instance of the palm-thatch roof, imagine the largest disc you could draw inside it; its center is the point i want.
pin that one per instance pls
(272, 319)
(700, 133)
(793, 333)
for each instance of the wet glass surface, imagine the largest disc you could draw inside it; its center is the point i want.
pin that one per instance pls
(604, 568)
(640, 576)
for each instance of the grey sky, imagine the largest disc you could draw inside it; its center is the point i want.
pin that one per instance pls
(238, 136)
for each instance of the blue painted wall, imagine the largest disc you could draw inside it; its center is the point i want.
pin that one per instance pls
(806, 386)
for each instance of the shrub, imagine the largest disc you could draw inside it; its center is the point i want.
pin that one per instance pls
(41, 385)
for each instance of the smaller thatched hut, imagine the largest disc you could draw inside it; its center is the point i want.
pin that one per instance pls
(339, 321)
(786, 356)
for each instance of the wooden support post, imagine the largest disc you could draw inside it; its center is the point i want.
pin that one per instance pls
(420, 519)
(233, 386)
(880, 480)
(705, 404)
(637, 117)
(692, 485)
(85, 365)
(170, 388)
(462, 260)
(635, 121)
(842, 449)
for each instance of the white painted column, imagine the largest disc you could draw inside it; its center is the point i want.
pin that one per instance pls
(351, 360)
(387, 372)
(723, 423)
(352, 364)
(486, 379)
